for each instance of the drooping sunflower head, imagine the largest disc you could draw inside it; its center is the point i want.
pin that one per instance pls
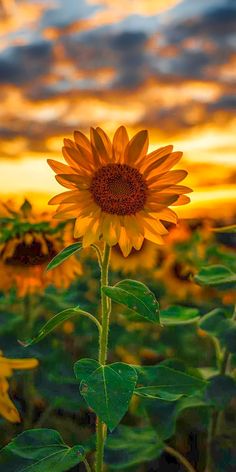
(116, 190)
(28, 241)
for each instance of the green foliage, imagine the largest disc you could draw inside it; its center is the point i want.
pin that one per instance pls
(39, 450)
(164, 414)
(128, 447)
(217, 276)
(220, 391)
(166, 383)
(63, 255)
(217, 324)
(107, 389)
(178, 315)
(136, 296)
(51, 324)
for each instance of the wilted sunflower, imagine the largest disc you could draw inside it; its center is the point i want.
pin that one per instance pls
(28, 241)
(147, 257)
(7, 407)
(117, 191)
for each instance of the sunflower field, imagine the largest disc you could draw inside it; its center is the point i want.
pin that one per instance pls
(117, 236)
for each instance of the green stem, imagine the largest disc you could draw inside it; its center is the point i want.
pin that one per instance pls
(87, 466)
(103, 342)
(180, 458)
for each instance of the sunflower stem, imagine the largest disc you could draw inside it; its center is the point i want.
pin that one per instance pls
(102, 357)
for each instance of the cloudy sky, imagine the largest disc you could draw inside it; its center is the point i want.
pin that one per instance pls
(165, 65)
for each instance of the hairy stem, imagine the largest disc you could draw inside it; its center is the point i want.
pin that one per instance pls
(180, 458)
(103, 342)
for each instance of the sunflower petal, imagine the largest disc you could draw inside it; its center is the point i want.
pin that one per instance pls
(124, 242)
(182, 200)
(78, 180)
(155, 155)
(120, 141)
(60, 168)
(168, 179)
(106, 141)
(161, 165)
(137, 148)
(168, 215)
(82, 140)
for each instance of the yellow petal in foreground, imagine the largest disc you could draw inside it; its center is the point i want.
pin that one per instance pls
(118, 192)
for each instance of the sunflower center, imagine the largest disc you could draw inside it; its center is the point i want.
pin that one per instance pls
(119, 189)
(32, 254)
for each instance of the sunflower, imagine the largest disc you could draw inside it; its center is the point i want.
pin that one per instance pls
(116, 191)
(7, 407)
(177, 277)
(28, 242)
(146, 258)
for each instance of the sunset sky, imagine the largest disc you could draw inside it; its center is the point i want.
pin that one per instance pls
(165, 65)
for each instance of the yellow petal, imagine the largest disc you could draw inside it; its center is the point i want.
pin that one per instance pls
(111, 229)
(82, 140)
(21, 363)
(168, 215)
(181, 200)
(169, 178)
(60, 168)
(124, 242)
(92, 233)
(106, 141)
(137, 148)
(161, 165)
(120, 142)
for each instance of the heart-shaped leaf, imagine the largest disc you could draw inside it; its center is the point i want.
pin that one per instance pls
(132, 446)
(108, 390)
(84, 368)
(63, 255)
(40, 450)
(136, 296)
(51, 324)
(217, 276)
(177, 315)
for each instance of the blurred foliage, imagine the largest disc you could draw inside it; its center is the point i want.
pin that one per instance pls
(190, 346)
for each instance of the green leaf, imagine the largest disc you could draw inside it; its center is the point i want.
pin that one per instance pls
(167, 383)
(217, 276)
(63, 255)
(85, 367)
(136, 296)
(217, 324)
(164, 414)
(220, 391)
(51, 324)
(39, 450)
(128, 447)
(154, 392)
(107, 389)
(177, 315)
(225, 229)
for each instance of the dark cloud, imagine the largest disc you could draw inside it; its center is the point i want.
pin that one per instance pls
(22, 64)
(216, 24)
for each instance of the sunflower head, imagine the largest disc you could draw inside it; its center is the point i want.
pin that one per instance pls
(28, 241)
(116, 190)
